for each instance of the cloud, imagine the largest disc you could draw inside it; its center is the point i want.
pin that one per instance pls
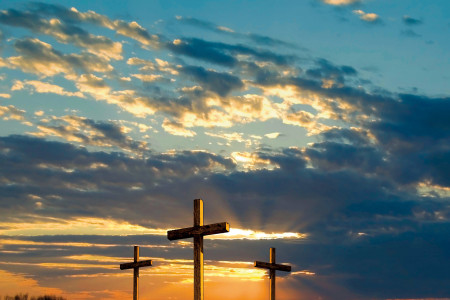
(336, 156)
(175, 128)
(224, 54)
(272, 135)
(132, 29)
(306, 120)
(340, 2)
(256, 38)
(44, 87)
(410, 21)
(367, 17)
(137, 32)
(410, 33)
(230, 137)
(88, 133)
(40, 58)
(159, 65)
(64, 33)
(147, 77)
(251, 161)
(358, 199)
(329, 73)
(220, 83)
(226, 112)
(10, 112)
(71, 174)
(127, 100)
(16, 284)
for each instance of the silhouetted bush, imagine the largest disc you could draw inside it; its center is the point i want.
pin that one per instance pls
(25, 297)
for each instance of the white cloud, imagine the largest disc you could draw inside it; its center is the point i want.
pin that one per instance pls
(272, 135)
(234, 136)
(340, 2)
(368, 17)
(252, 161)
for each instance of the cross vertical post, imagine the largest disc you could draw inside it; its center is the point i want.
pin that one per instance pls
(272, 266)
(198, 250)
(197, 232)
(136, 274)
(272, 274)
(135, 265)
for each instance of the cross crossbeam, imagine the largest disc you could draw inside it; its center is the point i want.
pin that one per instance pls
(136, 264)
(197, 232)
(191, 232)
(272, 267)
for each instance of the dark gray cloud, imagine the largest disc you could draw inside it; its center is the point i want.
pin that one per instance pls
(410, 21)
(256, 38)
(204, 51)
(63, 32)
(220, 83)
(88, 132)
(68, 179)
(362, 227)
(224, 54)
(410, 33)
(72, 16)
(357, 218)
(326, 70)
(332, 156)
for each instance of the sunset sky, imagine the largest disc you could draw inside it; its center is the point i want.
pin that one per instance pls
(318, 127)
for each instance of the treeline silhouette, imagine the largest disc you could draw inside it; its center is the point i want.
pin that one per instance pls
(25, 297)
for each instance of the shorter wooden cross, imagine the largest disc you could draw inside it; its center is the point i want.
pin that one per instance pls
(136, 264)
(272, 266)
(197, 232)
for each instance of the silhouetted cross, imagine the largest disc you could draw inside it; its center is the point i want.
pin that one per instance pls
(272, 266)
(136, 264)
(197, 232)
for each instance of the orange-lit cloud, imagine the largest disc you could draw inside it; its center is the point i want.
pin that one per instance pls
(44, 87)
(44, 60)
(175, 128)
(252, 161)
(368, 17)
(340, 2)
(12, 284)
(99, 226)
(10, 112)
(147, 77)
(88, 132)
(247, 234)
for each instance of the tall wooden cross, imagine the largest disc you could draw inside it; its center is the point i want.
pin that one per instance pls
(197, 232)
(136, 264)
(272, 266)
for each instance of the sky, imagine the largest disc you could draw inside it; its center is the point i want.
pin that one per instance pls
(317, 127)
